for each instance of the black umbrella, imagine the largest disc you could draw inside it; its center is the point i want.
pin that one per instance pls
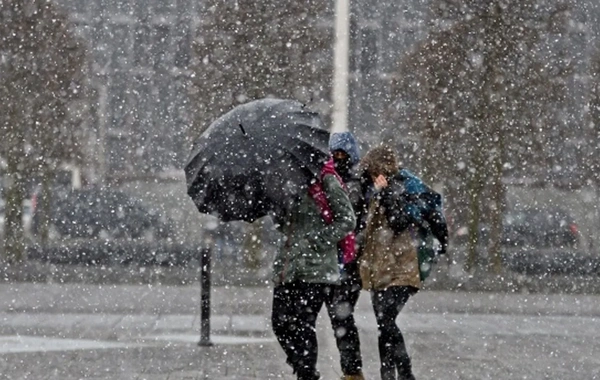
(255, 159)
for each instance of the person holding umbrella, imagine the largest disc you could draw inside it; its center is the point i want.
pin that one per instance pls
(341, 304)
(404, 217)
(306, 266)
(271, 157)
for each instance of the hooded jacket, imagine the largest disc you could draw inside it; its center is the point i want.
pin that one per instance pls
(413, 214)
(310, 249)
(346, 142)
(388, 258)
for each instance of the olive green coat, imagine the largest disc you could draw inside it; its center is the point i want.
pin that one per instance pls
(309, 251)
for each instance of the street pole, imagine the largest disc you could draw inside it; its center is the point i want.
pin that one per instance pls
(340, 66)
(205, 298)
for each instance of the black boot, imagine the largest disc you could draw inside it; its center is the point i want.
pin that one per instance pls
(388, 373)
(404, 366)
(405, 374)
(308, 375)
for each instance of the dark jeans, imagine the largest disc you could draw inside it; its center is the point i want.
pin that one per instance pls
(294, 316)
(340, 308)
(387, 304)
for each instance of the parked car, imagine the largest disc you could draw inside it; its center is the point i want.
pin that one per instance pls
(549, 227)
(101, 214)
(535, 241)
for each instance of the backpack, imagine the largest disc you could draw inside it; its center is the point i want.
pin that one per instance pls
(425, 207)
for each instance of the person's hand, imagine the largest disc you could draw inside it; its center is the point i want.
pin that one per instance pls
(380, 182)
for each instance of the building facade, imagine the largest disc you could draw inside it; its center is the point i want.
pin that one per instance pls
(382, 32)
(140, 52)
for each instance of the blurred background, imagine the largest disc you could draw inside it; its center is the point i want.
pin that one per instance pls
(496, 104)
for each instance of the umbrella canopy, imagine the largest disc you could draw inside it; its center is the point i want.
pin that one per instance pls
(255, 159)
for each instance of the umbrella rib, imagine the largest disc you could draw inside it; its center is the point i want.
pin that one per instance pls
(301, 143)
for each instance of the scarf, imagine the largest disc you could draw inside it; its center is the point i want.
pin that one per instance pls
(346, 245)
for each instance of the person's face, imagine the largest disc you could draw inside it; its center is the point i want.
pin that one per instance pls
(340, 155)
(341, 160)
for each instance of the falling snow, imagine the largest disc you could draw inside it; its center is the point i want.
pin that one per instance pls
(106, 104)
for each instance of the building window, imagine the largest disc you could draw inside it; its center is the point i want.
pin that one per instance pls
(141, 125)
(82, 30)
(76, 6)
(368, 51)
(141, 105)
(160, 44)
(101, 55)
(164, 6)
(118, 104)
(121, 45)
(394, 46)
(141, 9)
(163, 103)
(121, 6)
(185, 7)
(182, 119)
(116, 150)
(183, 46)
(414, 11)
(141, 47)
(410, 38)
(354, 43)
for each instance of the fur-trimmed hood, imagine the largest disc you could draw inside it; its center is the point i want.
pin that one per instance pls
(380, 160)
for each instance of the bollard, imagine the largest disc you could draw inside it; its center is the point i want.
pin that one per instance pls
(205, 298)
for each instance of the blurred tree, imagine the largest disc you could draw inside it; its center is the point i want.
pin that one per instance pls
(247, 50)
(481, 95)
(591, 165)
(253, 245)
(41, 71)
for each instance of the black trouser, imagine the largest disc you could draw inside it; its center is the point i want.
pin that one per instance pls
(387, 304)
(294, 316)
(340, 308)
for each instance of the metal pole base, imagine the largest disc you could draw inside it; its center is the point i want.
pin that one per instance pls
(205, 299)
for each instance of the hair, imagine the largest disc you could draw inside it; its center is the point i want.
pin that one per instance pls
(380, 160)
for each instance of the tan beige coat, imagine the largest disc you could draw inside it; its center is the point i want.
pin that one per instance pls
(387, 259)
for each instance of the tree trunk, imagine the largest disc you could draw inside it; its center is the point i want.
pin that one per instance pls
(253, 244)
(44, 201)
(14, 246)
(429, 160)
(474, 190)
(497, 209)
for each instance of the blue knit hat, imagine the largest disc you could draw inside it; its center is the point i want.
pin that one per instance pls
(346, 142)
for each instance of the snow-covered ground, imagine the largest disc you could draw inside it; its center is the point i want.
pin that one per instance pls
(74, 331)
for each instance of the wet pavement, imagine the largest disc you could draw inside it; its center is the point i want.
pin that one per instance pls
(78, 331)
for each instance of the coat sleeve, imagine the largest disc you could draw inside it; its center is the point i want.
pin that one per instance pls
(436, 220)
(397, 207)
(344, 220)
(357, 198)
